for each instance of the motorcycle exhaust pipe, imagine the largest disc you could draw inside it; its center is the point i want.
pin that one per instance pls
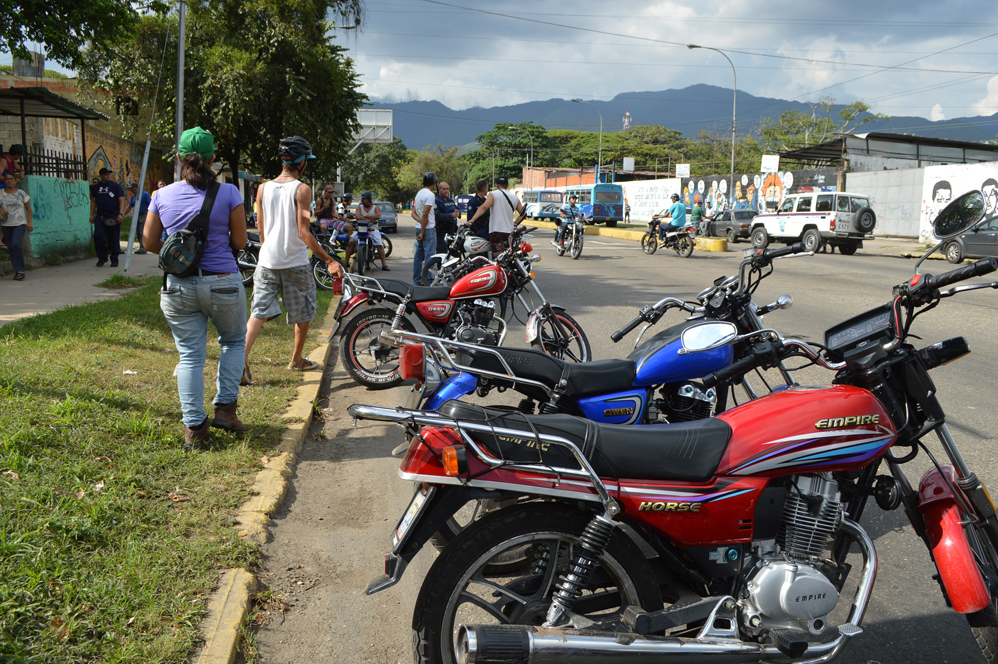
(526, 644)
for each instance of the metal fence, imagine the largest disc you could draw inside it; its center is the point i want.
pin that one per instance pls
(55, 164)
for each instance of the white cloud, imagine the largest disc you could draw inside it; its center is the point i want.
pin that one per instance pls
(988, 105)
(937, 113)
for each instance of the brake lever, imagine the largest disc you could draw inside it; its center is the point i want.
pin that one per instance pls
(968, 287)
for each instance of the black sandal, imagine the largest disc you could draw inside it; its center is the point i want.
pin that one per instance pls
(18, 276)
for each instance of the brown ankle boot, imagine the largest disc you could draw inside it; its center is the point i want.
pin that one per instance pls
(225, 417)
(194, 437)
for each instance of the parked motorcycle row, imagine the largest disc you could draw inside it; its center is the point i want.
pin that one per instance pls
(634, 510)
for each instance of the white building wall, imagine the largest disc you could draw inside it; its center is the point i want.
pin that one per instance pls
(896, 198)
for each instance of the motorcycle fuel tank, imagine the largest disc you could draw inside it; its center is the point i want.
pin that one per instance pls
(617, 408)
(806, 430)
(659, 360)
(486, 281)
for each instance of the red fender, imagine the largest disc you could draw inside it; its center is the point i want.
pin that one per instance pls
(349, 305)
(948, 540)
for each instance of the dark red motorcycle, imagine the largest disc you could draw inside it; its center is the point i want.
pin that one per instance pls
(717, 540)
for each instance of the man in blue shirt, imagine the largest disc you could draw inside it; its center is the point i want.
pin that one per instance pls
(677, 212)
(569, 213)
(447, 213)
(140, 216)
(107, 209)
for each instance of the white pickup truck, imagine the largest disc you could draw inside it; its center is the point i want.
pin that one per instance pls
(839, 219)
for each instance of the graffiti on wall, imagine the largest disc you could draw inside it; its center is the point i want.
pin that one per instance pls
(941, 184)
(124, 159)
(756, 191)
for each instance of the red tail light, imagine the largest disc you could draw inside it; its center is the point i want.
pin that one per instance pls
(526, 247)
(411, 361)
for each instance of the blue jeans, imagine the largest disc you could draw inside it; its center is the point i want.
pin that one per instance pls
(422, 252)
(188, 303)
(13, 237)
(107, 240)
(667, 228)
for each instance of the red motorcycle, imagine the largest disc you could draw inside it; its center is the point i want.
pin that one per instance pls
(717, 540)
(464, 311)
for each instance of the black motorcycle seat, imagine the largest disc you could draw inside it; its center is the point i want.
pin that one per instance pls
(253, 237)
(419, 293)
(683, 452)
(583, 379)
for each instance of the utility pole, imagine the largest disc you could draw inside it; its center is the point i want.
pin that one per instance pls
(180, 88)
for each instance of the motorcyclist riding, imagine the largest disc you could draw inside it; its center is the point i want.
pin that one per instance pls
(569, 213)
(676, 212)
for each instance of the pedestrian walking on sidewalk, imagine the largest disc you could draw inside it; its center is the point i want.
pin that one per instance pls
(107, 210)
(215, 292)
(284, 208)
(15, 222)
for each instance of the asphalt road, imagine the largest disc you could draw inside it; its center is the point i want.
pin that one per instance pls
(336, 524)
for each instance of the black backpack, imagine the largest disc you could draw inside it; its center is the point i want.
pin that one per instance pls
(182, 250)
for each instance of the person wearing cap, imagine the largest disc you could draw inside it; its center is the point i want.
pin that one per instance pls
(504, 206)
(214, 293)
(140, 216)
(107, 210)
(10, 161)
(284, 264)
(426, 234)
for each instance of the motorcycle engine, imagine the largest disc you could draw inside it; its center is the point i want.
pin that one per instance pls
(785, 585)
(685, 402)
(473, 323)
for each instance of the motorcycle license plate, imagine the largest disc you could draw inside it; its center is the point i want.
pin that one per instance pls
(416, 507)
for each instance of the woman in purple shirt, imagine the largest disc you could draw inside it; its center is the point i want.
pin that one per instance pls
(215, 292)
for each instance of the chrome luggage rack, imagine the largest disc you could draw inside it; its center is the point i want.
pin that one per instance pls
(368, 284)
(419, 418)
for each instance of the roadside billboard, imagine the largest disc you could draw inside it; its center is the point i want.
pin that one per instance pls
(648, 197)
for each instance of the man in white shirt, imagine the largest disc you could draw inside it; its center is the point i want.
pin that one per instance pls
(503, 205)
(426, 233)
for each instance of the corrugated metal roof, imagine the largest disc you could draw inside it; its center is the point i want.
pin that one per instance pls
(40, 103)
(832, 151)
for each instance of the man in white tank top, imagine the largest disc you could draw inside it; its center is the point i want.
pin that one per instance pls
(284, 216)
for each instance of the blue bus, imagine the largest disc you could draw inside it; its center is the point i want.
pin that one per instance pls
(599, 202)
(542, 203)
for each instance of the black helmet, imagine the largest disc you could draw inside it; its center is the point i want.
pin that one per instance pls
(295, 149)
(369, 195)
(675, 197)
(429, 179)
(348, 197)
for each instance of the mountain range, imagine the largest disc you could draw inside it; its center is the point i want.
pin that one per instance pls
(697, 108)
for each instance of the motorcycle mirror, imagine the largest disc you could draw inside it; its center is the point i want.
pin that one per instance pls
(784, 302)
(959, 216)
(708, 336)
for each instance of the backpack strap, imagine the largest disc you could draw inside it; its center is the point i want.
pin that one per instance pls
(199, 224)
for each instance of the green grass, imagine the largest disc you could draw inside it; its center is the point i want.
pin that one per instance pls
(118, 281)
(111, 537)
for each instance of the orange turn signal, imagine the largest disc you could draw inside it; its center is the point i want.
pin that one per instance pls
(455, 460)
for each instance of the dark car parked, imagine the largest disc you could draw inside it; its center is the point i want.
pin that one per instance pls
(732, 224)
(389, 221)
(980, 242)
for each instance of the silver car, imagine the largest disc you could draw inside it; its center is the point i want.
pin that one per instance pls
(389, 222)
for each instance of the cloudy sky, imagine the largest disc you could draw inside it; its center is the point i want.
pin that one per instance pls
(929, 59)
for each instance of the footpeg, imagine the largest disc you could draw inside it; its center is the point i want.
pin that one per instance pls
(790, 643)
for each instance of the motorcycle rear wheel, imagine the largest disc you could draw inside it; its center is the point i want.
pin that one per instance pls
(246, 271)
(388, 245)
(320, 271)
(649, 243)
(370, 362)
(684, 246)
(461, 585)
(431, 271)
(577, 246)
(575, 348)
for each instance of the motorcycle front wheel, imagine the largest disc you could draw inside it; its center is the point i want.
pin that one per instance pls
(247, 261)
(984, 623)
(431, 271)
(367, 359)
(573, 348)
(577, 246)
(649, 243)
(320, 271)
(468, 584)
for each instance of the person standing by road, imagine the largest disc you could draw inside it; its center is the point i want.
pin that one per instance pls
(627, 212)
(696, 216)
(446, 213)
(481, 227)
(140, 216)
(107, 210)
(426, 233)
(501, 220)
(285, 239)
(15, 221)
(215, 292)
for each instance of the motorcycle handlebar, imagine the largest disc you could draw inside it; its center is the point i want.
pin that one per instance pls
(622, 332)
(977, 269)
(742, 366)
(769, 254)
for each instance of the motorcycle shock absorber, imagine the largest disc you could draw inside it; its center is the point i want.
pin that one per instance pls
(594, 541)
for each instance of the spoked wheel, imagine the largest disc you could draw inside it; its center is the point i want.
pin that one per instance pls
(320, 271)
(577, 246)
(684, 246)
(984, 623)
(649, 243)
(431, 271)
(573, 346)
(467, 584)
(560, 248)
(247, 262)
(367, 359)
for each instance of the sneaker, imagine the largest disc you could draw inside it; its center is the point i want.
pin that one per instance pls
(225, 417)
(385, 268)
(101, 262)
(661, 244)
(247, 378)
(140, 250)
(114, 263)
(193, 438)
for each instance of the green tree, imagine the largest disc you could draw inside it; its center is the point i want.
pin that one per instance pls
(377, 167)
(256, 71)
(445, 162)
(509, 147)
(66, 27)
(796, 130)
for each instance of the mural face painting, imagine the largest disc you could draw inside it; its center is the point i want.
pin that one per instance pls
(761, 192)
(944, 183)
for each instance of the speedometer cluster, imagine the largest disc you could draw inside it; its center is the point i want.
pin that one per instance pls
(852, 332)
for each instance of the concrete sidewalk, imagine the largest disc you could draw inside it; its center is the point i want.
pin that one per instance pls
(55, 287)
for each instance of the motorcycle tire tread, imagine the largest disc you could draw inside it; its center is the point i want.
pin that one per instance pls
(498, 527)
(984, 626)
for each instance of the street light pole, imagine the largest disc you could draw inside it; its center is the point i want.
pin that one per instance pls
(734, 105)
(530, 159)
(599, 158)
